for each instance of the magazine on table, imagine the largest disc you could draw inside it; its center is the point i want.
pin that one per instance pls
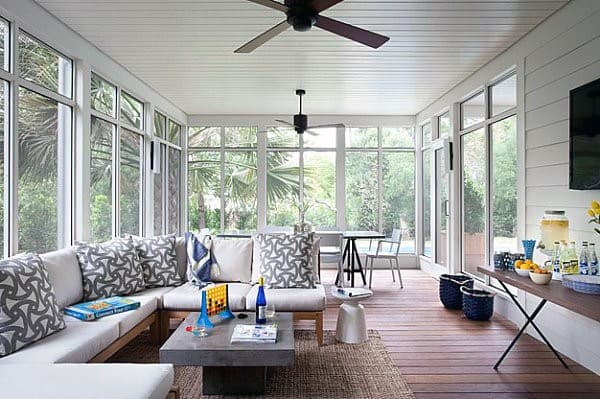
(266, 333)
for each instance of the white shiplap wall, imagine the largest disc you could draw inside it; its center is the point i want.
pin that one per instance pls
(559, 55)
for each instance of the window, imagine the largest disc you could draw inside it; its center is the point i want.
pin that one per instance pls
(473, 195)
(503, 95)
(305, 175)
(130, 182)
(444, 128)
(174, 132)
(117, 162)
(427, 197)
(472, 111)
(132, 111)
(4, 44)
(167, 175)
(104, 96)
(222, 164)
(101, 174)
(44, 127)
(380, 181)
(489, 178)
(160, 123)
(44, 66)
(504, 185)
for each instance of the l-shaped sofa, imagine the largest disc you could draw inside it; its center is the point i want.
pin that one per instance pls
(96, 341)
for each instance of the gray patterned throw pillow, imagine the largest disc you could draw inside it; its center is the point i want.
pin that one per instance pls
(286, 260)
(28, 308)
(159, 260)
(109, 269)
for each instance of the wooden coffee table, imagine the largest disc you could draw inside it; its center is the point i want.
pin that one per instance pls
(231, 369)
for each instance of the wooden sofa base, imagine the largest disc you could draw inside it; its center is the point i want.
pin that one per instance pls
(152, 321)
(167, 315)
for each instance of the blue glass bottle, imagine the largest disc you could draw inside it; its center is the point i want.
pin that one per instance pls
(261, 303)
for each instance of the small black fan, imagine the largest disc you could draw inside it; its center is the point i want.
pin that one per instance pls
(303, 15)
(300, 124)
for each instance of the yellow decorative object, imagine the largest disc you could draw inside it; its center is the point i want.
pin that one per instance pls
(594, 213)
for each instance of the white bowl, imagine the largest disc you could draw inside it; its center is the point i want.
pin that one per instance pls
(541, 279)
(522, 272)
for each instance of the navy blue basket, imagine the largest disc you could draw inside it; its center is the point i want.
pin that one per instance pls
(450, 285)
(477, 304)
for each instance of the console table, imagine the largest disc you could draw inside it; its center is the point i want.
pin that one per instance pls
(555, 292)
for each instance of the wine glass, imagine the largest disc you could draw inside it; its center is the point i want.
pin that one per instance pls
(270, 311)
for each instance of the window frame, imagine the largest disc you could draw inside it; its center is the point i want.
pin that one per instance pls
(486, 125)
(66, 158)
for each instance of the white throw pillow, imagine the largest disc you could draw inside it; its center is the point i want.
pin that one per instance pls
(234, 258)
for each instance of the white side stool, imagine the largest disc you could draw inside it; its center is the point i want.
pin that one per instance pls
(351, 324)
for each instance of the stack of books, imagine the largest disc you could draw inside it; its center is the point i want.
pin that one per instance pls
(266, 334)
(93, 310)
(352, 292)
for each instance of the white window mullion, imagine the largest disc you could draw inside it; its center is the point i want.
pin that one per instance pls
(11, 219)
(82, 129)
(222, 171)
(379, 181)
(261, 183)
(340, 177)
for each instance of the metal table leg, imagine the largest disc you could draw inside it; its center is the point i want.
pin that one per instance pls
(529, 321)
(360, 268)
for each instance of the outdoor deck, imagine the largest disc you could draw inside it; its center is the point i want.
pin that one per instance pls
(444, 355)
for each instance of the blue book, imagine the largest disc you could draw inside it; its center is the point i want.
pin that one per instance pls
(93, 310)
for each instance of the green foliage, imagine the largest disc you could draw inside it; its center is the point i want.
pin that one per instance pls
(38, 216)
(474, 205)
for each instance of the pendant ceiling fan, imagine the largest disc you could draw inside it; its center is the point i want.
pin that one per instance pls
(303, 15)
(300, 124)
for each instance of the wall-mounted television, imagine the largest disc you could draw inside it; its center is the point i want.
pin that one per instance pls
(584, 137)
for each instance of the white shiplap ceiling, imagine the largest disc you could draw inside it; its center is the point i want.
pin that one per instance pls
(184, 49)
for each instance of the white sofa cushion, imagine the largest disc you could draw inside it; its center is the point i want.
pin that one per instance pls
(291, 299)
(90, 381)
(188, 297)
(65, 276)
(78, 343)
(181, 253)
(28, 309)
(234, 260)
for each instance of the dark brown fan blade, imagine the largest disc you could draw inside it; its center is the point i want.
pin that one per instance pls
(271, 4)
(351, 32)
(263, 38)
(326, 126)
(286, 123)
(322, 5)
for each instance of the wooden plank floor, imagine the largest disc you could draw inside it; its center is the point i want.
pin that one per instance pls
(443, 355)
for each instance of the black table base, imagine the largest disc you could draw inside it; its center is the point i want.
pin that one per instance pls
(351, 259)
(530, 320)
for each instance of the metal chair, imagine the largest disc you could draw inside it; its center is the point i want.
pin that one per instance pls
(389, 252)
(330, 251)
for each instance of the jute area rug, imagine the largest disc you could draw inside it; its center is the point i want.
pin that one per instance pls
(335, 370)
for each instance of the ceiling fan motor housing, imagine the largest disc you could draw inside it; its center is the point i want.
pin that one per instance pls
(300, 123)
(301, 16)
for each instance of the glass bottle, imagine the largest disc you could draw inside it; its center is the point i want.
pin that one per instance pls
(564, 259)
(593, 259)
(553, 264)
(583, 259)
(574, 266)
(261, 303)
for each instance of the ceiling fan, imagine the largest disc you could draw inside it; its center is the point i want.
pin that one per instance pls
(303, 15)
(300, 124)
